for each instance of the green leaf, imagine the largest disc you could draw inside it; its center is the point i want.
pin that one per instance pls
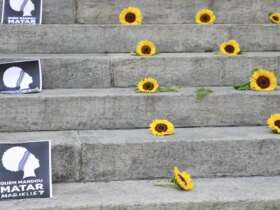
(201, 93)
(244, 86)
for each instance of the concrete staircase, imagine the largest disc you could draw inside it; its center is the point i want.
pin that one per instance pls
(98, 124)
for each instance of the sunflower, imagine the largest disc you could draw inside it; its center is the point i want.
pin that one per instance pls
(230, 48)
(182, 179)
(263, 80)
(146, 48)
(274, 18)
(205, 17)
(274, 123)
(161, 127)
(131, 16)
(148, 85)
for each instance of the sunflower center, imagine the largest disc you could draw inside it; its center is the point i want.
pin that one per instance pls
(130, 17)
(229, 49)
(146, 50)
(277, 123)
(205, 18)
(263, 82)
(276, 18)
(161, 128)
(183, 179)
(148, 86)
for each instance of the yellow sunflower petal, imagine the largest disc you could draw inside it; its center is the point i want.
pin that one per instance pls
(131, 16)
(148, 85)
(263, 80)
(146, 48)
(274, 123)
(230, 48)
(161, 127)
(183, 179)
(205, 17)
(274, 18)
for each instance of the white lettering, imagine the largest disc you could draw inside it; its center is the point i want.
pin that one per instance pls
(5, 189)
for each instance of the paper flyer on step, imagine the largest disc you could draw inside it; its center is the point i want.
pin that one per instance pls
(25, 170)
(22, 12)
(21, 77)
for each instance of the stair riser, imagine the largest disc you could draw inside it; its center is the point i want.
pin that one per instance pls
(116, 39)
(61, 12)
(167, 12)
(204, 159)
(179, 11)
(71, 71)
(191, 70)
(97, 71)
(117, 110)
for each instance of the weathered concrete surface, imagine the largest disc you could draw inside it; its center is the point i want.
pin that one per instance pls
(121, 39)
(191, 69)
(179, 11)
(59, 12)
(205, 152)
(73, 109)
(65, 151)
(70, 71)
(256, 193)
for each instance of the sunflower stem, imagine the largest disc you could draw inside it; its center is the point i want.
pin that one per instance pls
(168, 184)
(167, 89)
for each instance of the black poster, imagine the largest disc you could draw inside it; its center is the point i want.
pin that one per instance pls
(22, 12)
(21, 77)
(25, 170)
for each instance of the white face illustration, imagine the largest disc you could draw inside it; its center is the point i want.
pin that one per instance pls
(18, 159)
(26, 6)
(15, 77)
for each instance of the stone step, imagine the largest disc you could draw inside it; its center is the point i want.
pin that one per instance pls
(60, 12)
(72, 109)
(121, 39)
(125, 70)
(177, 11)
(103, 155)
(259, 193)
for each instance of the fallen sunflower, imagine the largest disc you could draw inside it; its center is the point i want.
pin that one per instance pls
(274, 123)
(230, 48)
(146, 48)
(205, 17)
(274, 18)
(263, 80)
(161, 127)
(131, 16)
(180, 179)
(148, 85)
